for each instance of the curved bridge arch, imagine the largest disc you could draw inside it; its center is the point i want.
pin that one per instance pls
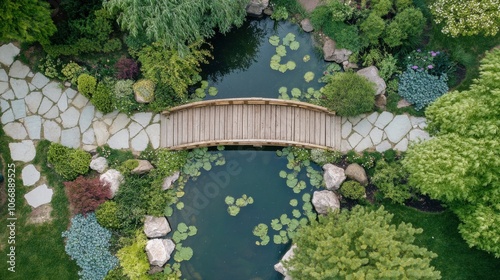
(250, 121)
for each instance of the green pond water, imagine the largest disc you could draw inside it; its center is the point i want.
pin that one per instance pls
(224, 247)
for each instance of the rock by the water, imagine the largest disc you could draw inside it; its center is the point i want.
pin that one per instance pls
(279, 266)
(156, 226)
(143, 167)
(341, 55)
(256, 7)
(403, 103)
(159, 250)
(323, 201)
(99, 164)
(371, 73)
(380, 101)
(357, 173)
(334, 176)
(349, 65)
(167, 183)
(112, 178)
(306, 25)
(328, 49)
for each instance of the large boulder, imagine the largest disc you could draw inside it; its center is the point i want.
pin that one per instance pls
(328, 49)
(159, 251)
(167, 182)
(333, 176)
(380, 101)
(323, 201)
(341, 55)
(112, 178)
(279, 266)
(143, 167)
(371, 73)
(306, 25)
(99, 164)
(156, 227)
(256, 7)
(357, 173)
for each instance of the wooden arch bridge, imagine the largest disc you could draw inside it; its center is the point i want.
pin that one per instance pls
(250, 121)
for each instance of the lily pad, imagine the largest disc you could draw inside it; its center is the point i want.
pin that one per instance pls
(183, 254)
(274, 40)
(309, 76)
(265, 240)
(281, 91)
(296, 92)
(233, 210)
(306, 58)
(260, 230)
(306, 197)
(168, 211)
(275, 65)
(276, 225)
(192, 231)
(229, 200)
(276, 58)
(291, 65)
(281, 50)
(293, 202)
(292, 183)
(199, 92)
(294, 45)
(282, 68)
(277, 239)
(290, 37)
(180, 205)
(296, 213)
(182, 227)
(212, 91)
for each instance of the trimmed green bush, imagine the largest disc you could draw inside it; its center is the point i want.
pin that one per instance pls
(352, 190)
(102, 98)
(348, 94)
(390, 179)
(145, 89)
(68, 162)
(86, 85)
(133, 258)
(420, 88)
(106, 215)
(71, 71)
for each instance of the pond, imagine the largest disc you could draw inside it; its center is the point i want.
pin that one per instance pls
(225, 247)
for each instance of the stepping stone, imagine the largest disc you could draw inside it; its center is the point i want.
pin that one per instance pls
(15, 130)
(20, 88)
(45, 106)
(39, 80)
(80, 101)
(33, 100)
(154, 135)
(372, 117)
(7, 116)
(356, 119)
(7, 53)
(363, 127)
(383, 146)
(383, 119)
(402, 145)
(33, 125)
(30, 175)
(70, 93)
(88, 137)
(346, 129)
(4, 105)
(376, 135)
(142, 118)
(71, 137)
(51, 131)
(119, 123)
(18, 70)
(354, 139)
(140, 142)
(39, 196)
(62, 104)
(3, 76)
(418, 135)
(70, 117)
(101, 133)
(8, 95)
(119, 140)
(134, 128)
(364, 144)
(53, 91)
(18, 108)
(24, 151)
(86, 117)
(344, 146)
(156, 118)
(4, 86)
(398, 128)
(417, 121)
(52, 113)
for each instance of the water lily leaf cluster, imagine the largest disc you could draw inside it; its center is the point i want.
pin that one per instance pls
(201, 92)
(260, 231)
(281, 51)
(200, 158)
(182, 233)
(310, 94)
(234, 205)
(308, 76)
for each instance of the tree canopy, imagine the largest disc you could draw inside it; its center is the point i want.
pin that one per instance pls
(361, 244)
(460, 164)
(25, 21)
(469, 17)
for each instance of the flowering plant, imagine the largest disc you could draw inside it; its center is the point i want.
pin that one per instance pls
(433, 62)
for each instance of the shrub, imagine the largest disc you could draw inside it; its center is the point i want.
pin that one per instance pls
(352, 190)
(124, 100)
(86, 85)
(102, 98)
(420, 88)
(71, 71)
(406, 25)
(390, 179)
(346, 36)
(433, 62)
(145, 89)
(85, 195)
(279, 13)
(51, 67)
(106, 215)
(167, 162)
(133, 259)
(322, 157)
(114, 157)
(68, 162)
(349, 94)
(128, 166)
(87, 243)
(126, 68)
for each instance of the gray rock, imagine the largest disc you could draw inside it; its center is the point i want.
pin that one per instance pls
(101, 133)
(398, 128)
(7, 53)
(71, 137)
(381, 101)
(357, 173)
(86, 117)
(15, 130)
(143, 167)
(30, 175)
(333, 176)
(279, 266)
(99, 164)
(159, 251)
(403, 103)
(119, 140)
(140, 142)
(18, 108)
(328, 49)
(51, 131)
(156, 226)
(256, 7)
(39, 196)
(112, 178)
(371, 73)
(349, 65)
(70, 117)
(20, 88)
(167, 182)
(39, 80)
(306, 25)
(18, 70)
(24, 151)
(153, 132)
(53, 91)
(33, 100)
(142, 118)
(33, 125)
(268, 11)
(340, 55)
(325, 201)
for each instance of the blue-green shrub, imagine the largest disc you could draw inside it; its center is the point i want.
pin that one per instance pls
(87, 243)
(420, 88)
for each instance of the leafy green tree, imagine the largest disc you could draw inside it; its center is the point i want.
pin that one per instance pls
(460, 165)
(466, 18)
(348, 94)
(133, 259)
(25, 21)
(177, 23)
(361, 244)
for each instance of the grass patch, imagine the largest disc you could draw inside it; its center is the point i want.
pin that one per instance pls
(455, 259)
(39, 248)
